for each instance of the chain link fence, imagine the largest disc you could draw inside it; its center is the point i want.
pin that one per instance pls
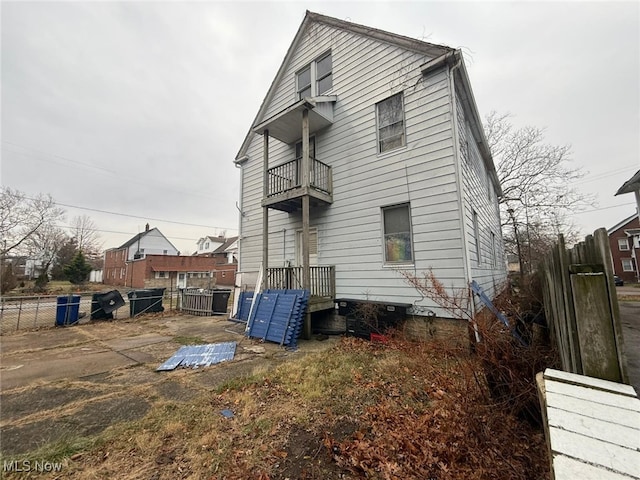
(35, 311)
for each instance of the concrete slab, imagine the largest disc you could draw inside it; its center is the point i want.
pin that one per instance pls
(41, 339)
(42, 367)
(630, 321)
(128, 343)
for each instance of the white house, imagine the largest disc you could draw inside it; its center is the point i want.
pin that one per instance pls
(368, 156)
(209, 244)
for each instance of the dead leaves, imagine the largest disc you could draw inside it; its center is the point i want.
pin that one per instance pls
(451, 433)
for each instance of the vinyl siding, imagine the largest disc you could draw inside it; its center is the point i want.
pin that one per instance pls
(489, 272)
(422, 173)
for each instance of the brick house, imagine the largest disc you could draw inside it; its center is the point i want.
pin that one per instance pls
(172, 271)
(624, 241)
(149, 260)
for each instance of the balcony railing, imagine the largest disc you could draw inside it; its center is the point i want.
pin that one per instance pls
(323, 280)
(288, 176)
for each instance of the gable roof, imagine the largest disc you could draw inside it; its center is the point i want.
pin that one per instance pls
(230, 241)
(212, 238)
(621, 224)
(139, 236)
(407, 43)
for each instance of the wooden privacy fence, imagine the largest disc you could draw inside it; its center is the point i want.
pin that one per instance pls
(582, 308)
(203, 302)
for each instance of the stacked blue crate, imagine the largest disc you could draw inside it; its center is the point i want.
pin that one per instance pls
(244, 307)
(278, 316)
(301, 307)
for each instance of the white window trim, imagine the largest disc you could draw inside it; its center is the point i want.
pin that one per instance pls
(385, 262)
(404, 127)
(624, 269)
(626, 244)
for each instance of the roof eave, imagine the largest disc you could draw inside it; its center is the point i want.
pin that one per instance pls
(631, 185)
(471, 107)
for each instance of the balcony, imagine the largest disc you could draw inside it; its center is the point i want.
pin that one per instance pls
(322, 288)
(285, 187)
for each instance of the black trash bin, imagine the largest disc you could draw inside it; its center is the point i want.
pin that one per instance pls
(145, 301)
(220, 301)
(104, 304)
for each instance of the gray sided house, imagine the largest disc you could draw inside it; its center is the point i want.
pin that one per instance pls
(367, 156)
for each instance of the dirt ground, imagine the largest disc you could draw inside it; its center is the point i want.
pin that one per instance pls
(77, 381)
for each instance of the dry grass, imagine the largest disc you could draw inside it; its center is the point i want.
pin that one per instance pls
(402, 410)
(628, 298)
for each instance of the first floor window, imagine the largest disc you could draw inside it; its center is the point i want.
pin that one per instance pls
(397, 234)
(390, 120)
(627, 265)
(623, 244)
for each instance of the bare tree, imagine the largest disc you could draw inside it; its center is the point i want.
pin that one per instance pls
(86, 234)
(22, 216)
(43, 247)
(536, 180)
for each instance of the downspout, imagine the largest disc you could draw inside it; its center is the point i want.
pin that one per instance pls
(239, 164)
(460, 183)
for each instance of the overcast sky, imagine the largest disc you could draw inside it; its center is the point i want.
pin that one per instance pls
(139, 108)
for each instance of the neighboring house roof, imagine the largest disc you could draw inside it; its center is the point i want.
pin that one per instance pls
(213, 238)
(631, 185)
(222, 248)
(141, 235)
(441, 55)
(621, 224)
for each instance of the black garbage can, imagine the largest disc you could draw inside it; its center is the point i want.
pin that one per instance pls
(145, 301)
(220, 301)
(104, 304)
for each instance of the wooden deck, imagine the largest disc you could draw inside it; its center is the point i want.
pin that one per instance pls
(592, 427)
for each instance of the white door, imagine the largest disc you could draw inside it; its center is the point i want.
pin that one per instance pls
(182, 280)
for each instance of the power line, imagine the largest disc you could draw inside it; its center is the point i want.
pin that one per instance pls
(120, 214)
(110, 172)
(604, 208)
(605, 175)
(129, 234)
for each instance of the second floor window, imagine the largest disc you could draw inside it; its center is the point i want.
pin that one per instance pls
(623, 244)
(315, 78)
(324, 74)
(390, 119)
